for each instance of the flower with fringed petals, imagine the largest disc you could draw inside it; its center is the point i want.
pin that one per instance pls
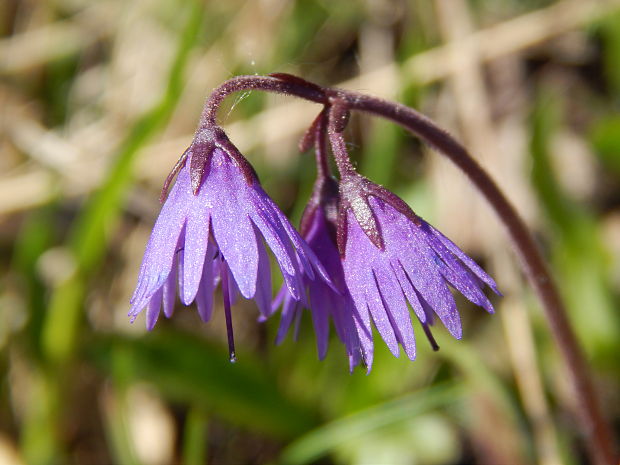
(390, 257)
(212, 229)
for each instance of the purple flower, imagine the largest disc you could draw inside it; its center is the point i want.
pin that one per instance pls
(318, 228)
(213, 228)
(391, 257)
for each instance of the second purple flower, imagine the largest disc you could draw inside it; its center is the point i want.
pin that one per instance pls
(391, 257)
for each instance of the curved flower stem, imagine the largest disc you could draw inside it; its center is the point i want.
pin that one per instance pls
(592, 422)
(277, 83)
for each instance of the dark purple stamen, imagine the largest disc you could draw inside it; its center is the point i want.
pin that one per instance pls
(227, 313)
(430, 337)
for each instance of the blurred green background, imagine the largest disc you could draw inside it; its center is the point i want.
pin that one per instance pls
(98, 100)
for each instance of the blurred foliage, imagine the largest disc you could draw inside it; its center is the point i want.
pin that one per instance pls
(100, 98)
(577, 250)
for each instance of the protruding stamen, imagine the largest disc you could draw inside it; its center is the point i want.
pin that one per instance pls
(227, 313)
(431, 338)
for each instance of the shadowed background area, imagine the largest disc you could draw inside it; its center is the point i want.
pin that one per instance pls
(99, 99)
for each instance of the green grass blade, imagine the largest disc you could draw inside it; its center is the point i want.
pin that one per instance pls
(324, 439)
(186, 368)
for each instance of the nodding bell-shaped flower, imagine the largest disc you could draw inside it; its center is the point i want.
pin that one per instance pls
(213, 228)
(390, 257)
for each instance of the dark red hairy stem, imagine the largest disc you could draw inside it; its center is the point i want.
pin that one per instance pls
(278, 83)
(325, 190)
(337, 116)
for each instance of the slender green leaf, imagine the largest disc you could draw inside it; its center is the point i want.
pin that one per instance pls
(186, 368)
(327, 437)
